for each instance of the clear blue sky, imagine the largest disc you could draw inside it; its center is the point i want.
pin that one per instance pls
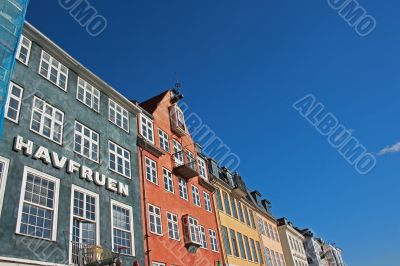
(242, 65)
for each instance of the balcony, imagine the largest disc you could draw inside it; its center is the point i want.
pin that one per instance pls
(185, 165)
(240, 189)
(92, 255)
(177, 121)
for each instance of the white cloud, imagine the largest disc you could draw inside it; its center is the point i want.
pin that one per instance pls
(390, 149)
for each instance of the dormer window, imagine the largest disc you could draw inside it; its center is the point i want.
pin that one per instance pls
(177, 120)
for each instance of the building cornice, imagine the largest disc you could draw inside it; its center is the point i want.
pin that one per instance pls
(63, 57)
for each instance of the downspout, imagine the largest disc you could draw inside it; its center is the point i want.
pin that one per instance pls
(225, 257)
(146, 236)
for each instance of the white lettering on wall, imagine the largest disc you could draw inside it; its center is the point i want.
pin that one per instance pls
(48, 157)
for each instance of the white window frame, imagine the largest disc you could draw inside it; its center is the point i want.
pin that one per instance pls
(194, 230)
(129, 208)
(151, 166)
(91, 142)
(196, 196)
(52, 117)
(88, 92)
(58, 69)
(147, 128)
(27, 47)
(3, 180)
(18, 99)
(164, 140)
(171, 223)
(203, 237)
(213, 240)
(97, 213)
(183, 189)
(207, 201)
(123, 159)
(56, 182)
(202, 168)
(178, 153)
(154, 263)
(123, 113)
(168, 180)
(155, 219)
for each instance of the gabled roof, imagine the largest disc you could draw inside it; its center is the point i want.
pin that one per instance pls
(151, 104)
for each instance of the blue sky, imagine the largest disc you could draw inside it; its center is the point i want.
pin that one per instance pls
(242, 65)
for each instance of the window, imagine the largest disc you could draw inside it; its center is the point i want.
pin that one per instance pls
(183, 192)
(268, 257)
(241, 246)
(118, 115)
(53, 70)
(213, 240)
(233, 205)
(277, 237)
(38, 205)
(219, 200)
(253, 224)
(146, 128)
(226, 203)
(84, 215)
(274, 259)
(179, 118)
(260, 226)
(196, 196)
(202, 168)
(173, 229)
(203, 237)
(157, 264)
(207, 201)
(178, 154)
(283, 260)
(234, 243)
(246, 242)
(246, 215)
(13, 104)
(271, 232)
(86, 142)
(240, 211)
(122, 228)
(259, 252)
(24, 50)
(168, 181)
(120, 159)
(47, 121)
(3, 178)
(151, 171)
(266, 229)
(155, 220)
(225, 238)
(191, 230)
(164, 142)
(253, 249)
(88, 95)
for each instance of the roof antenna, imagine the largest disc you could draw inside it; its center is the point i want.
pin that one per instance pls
(176, 90)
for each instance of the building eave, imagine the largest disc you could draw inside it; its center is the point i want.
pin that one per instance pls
(63, 57)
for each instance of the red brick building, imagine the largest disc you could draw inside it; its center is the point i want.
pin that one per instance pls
(179, 217)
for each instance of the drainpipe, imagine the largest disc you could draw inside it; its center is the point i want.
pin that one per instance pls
(146, 236)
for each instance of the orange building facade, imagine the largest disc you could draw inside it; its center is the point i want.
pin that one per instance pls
(177, 198)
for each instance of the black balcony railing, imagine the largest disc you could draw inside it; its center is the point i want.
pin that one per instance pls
(185, 164)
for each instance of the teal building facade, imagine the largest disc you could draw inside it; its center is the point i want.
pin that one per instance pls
(69, 185)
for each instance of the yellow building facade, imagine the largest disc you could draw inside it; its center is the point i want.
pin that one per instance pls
(268, 229)
(236, 219)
